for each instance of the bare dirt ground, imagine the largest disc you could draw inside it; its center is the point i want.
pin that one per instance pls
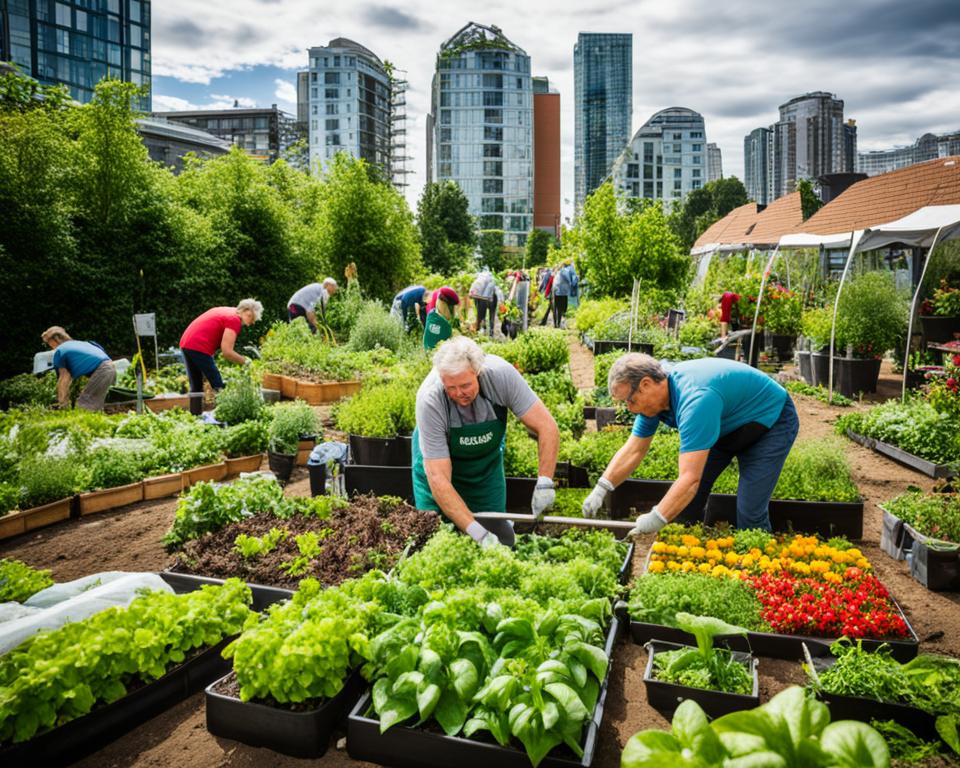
(130, 539)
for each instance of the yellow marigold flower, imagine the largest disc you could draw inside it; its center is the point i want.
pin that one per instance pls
(671, 549)
(689, 541)
(656, 567)
(731, 558)
(683, 551)
(854, 553)
(696, 553)
(687, 566)
(711, 544)
(719, 571)
(747, 561)
(864, 564)
(659, 546)
(704, 567)
(673, 566)
(714, 554)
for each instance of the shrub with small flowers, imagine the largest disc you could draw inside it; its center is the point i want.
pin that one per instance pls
(943, 392)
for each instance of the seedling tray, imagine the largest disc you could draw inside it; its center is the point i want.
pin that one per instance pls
(85, 735)
(901, 456)
(666, 697)
(411, 747)
(303, 734)
(263, 597)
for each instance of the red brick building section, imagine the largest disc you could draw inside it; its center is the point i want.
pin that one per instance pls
(546, 162)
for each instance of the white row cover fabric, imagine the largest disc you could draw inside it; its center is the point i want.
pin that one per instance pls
(918, 229)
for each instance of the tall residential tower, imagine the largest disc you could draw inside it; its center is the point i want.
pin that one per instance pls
(603, 103)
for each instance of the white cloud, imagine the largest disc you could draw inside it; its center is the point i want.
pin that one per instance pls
(163, 103)
(171, 104)
(286, 91)
(893, 63)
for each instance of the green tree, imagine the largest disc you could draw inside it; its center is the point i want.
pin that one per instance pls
(360, 221)
(446, 227)
(491, 249)
(809, 202)
(538, 244)
(702, 207)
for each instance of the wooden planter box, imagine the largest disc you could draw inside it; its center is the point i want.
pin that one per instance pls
(48, 514)
(272, 381)
(110, 498)
(166, 402)
(12, 524)
(288, 387)
(162, 486)
(325, 392)
(200, 474)
(244, 464)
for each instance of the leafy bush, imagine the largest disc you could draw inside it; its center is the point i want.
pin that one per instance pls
(376, 327)
(9, 496)
(110, 467)
(240, 400)
(601, 368)
(289, 422)
(44, 480)
(382, 410)
(28, 389)
(817, 470)
(537, 351)
(782, 311)
(520, 454)
(19, 582)
(343, 309)
(933, 514)
(946, 300)
(593, 312)
(915, 426)
(873, 315)
(247, 438)
(816, 325)
(657, 598)
(698, 331)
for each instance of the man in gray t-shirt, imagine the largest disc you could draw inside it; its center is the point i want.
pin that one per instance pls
(458, 443)
(483, 292)
(303, 303)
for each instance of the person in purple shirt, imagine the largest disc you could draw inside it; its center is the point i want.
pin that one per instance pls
(73, 359)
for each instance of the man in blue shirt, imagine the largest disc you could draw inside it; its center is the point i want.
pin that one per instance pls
(410, 305)
(73, 359)
(722, 410)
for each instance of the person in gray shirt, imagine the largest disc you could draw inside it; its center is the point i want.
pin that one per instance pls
(303, 303)
(458, 444)
(483, 292)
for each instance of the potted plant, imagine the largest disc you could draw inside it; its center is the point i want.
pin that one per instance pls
(290, 422)
(782, 314)
(940, 314)
(379, 420)
(240, 400)
(718, 679)
(244, 444)
(816, 325)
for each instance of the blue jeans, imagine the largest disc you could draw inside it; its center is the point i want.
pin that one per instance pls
(760, 465)
(199, 366)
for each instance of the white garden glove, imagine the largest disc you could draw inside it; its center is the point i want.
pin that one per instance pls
(593, 502)
(543, 497)
(481, 535)
(649, 522)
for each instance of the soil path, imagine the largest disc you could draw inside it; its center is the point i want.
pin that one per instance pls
(130, 539)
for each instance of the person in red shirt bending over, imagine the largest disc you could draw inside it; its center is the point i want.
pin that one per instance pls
(215, 329)
(726, 308)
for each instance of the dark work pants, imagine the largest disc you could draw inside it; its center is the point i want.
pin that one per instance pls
(294, 311)
(200, 366)
(559, 309)
(760, 465)
(486, 308)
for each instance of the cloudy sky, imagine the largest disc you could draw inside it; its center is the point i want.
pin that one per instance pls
(895, 63)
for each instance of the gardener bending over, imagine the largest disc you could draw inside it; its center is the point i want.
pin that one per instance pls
(440, 313)
(458, 443)
(722, 410)
(215, 329)
(73, 359)
(410, 305)
(305, 301)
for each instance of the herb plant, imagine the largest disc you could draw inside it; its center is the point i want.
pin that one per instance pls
(289, 422)
(936, 515)
(915, 426)
(706, 666)
(19, 582)
(240, 400)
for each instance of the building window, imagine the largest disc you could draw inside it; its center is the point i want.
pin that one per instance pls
(113, 6)
(492, 168)
(63, 42)
(492, 134)
(677, 184)
(135, 32)
(648, 151)
(329, 93)
(331, 108)
(493, 99)
(697, 147)
(446, 134)
(697, 160)
(696, 134)
(648, 189)
(696, 173)
(677, 173)
(493, 81)
(331, 78)
(492, 205)
(136, 59)
(491, 222)
(336, 61)
(63, 15)
(677, 136)
(446, 152)
(445, 117)
(696, 185)
(493, 150)
(493, 115)
(633, 170)
(677, 148)
(446, 169)
(332, 125)
(313, 125)
(493, 186)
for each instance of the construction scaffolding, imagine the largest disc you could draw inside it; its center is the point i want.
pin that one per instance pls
(399, 157)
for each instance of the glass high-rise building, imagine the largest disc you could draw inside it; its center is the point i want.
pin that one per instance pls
(714, 162)
(78, 43)
(666, 159)
(482, 128)
(603, 103)
(756, 145)
(349, 104)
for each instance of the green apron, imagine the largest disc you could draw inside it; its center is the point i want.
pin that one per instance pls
(476, 453)
(435, 329)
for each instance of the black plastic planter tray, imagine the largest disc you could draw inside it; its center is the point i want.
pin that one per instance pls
(380, 481)
(899, 455)
(85, 735)
(263, 597)
(666, 697)
(410, 747)
(935, 564)
(303, 734)
(603, 346)
(380, 451)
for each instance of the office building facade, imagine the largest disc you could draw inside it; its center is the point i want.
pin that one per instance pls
(77, 44)
(714, 162)
(603, 104)
(755, 149)
(264, 133)
(927, 147)
(666, 159)
(546, 156)
(482, 128)
(349, 97)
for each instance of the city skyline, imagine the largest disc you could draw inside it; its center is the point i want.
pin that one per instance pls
(890, 63)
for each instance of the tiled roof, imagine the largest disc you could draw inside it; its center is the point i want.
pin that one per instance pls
(890, 196)
(731, 229)
(783, 215)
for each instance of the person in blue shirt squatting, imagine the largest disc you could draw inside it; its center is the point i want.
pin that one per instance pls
(722, 410)
(73, 359)
(410, 305)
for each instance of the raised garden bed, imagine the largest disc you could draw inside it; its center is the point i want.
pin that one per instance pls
(935, 564)
(366, 534)
(301, 730)
(901, 456)
(272, 381)
(210, 472)
(263, 597)
(164, 402)
(603, 346)
(380, 481)
(162, 486)
(412, 747)
(317, 393)
(244, 464)
(938, 329)
(48, 514)
(666, 697)
(110, 498)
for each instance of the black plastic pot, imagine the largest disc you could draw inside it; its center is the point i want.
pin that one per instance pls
(412, 747)
(318, 479)
(806, 370)
(578, 477)
(263, 596)
(891, 535)
(745, 351)
(820, 368)
(380, 481)
(381, 451)
(939, 329)
(85, 735)
(928, 468)
(783, 345)
(607, 416)
(282, 464)
(933, 563)
(666, 697)
(589, 412)
(303, 734)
